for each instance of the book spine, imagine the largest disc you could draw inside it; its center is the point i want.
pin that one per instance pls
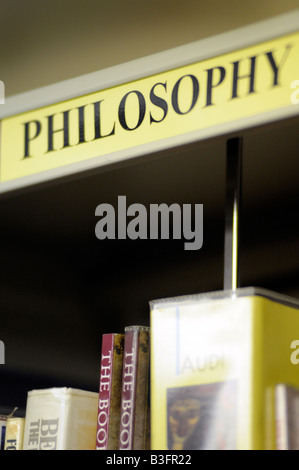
(45, 421)
(114, 426)
(3, 424)
(128, 389)
(281, 417)
(141, 435)
(134, 387)
(14, 434)
(108, 420)
(60, 419)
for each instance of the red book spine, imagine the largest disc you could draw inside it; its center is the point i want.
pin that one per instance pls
(110, 392)
(134, 422)
(128, 389)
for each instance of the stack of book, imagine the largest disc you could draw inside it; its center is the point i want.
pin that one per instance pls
(124, 409)
(114, 418)
(214, 371)
(55, 419)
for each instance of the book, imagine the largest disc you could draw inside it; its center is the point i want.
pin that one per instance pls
(14, 433)
(134, 419)
(287, 417)
(60, 419)
(216, 359)
(3, 424)
(108, 423)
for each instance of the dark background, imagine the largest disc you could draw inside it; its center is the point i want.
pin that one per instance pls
(60, 287)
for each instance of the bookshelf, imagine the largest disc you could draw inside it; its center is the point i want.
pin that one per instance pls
(61, 287)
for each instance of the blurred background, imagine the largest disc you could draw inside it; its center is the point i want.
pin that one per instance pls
(60, 287)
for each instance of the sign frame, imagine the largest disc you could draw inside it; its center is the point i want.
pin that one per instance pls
(145, 67)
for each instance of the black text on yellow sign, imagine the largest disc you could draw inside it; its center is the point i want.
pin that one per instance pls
(216, 91)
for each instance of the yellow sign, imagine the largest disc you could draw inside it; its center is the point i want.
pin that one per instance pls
(216, 91)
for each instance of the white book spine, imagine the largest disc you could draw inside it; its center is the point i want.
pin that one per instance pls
(281, 418)
(60, 419)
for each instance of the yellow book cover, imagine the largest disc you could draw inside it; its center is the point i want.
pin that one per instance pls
(14, 433)
(216, 359)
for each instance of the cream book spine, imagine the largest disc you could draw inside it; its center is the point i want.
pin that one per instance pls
(60, 419)
(14, 433)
